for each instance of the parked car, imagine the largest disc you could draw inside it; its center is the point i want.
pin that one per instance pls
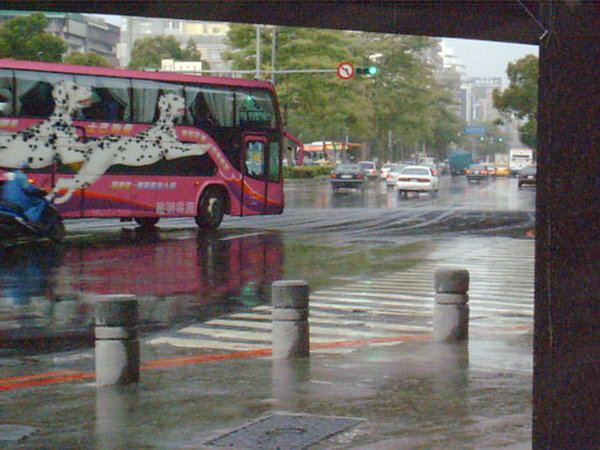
(393, 174)
(478, 172)
(527, 176)
(348, 176)
(416, 179)
(369, 169)
(502, 170)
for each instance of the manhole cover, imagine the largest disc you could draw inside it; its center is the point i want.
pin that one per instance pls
(278, 431)
(10, 432)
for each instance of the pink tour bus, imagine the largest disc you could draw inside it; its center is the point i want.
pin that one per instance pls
(141, 145)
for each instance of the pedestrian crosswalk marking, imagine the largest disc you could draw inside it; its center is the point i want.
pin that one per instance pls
(500, 295)
(206, 343)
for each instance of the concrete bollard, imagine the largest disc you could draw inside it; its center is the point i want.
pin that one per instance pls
(117, 347)
(290, 319)
(451, 311)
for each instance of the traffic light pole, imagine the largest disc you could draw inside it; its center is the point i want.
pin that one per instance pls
(265, 71)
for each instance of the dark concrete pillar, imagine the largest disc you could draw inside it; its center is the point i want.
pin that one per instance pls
(566, 403)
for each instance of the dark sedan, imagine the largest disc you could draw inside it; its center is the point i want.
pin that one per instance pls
(347, 176)
(478, 172)
(527, 176)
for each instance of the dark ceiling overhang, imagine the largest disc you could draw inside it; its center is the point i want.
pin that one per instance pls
(509, 20)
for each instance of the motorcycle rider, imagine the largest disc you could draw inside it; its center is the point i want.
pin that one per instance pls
(17, 190)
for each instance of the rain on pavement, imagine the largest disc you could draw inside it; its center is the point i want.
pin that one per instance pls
(182, 276)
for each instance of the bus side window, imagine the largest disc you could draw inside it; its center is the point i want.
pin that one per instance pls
(37, 101)
(209, 107)
(5, 102)
(104, 107)
(200, 113)
(110, 99)
(145, 99)
(6, 93)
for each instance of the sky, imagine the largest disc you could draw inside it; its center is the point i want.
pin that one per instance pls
(483, 59)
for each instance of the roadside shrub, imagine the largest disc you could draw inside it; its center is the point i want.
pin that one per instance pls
(306, 171)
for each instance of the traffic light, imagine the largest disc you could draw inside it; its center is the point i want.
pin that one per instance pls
(481, 138)
(371, 70)
(500, 139)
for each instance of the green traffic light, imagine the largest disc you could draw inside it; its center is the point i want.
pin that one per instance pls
(371, 70)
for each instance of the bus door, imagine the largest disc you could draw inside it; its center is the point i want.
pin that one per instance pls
(254, 194)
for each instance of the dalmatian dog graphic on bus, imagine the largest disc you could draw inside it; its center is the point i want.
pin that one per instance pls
(151, 145)
(39, 145)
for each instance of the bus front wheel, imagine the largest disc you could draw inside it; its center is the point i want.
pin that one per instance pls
(211, 209)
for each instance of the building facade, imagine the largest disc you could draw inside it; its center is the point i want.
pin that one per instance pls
(209, 37)
(81, 33)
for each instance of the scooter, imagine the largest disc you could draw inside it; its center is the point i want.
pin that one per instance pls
(13, 222)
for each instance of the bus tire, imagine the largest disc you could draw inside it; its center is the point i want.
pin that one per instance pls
(211, 209)
(147, 222)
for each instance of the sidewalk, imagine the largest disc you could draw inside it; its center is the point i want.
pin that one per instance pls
(401, 392)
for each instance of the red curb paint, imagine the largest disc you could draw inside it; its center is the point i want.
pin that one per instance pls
(44, 375)
(46, 381)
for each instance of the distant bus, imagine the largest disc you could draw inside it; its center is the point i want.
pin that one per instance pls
(518, 159)
(140, 145)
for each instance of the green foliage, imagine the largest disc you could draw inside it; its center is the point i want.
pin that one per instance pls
(306, 171)
(86, 59)
(25, 38)
(317, 104)
(148, 52)
(520, 98)
(402, 96)
(406, 97)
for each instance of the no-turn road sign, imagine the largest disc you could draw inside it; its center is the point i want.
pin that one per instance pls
(345, 71)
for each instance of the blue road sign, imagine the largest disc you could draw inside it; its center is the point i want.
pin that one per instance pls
(474, 130)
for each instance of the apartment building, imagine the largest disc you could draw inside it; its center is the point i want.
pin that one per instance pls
(81, 33)
(208, 36)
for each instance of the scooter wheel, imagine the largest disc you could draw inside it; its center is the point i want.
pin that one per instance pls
(56, 230)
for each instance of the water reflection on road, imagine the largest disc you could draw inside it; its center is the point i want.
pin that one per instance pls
(180, 275)
(497, 194)
(48, 291)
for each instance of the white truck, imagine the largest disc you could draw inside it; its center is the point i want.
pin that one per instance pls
(518, 159)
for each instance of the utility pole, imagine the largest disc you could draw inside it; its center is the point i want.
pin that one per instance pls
(258, 56)
(273, 54)
(390, 137)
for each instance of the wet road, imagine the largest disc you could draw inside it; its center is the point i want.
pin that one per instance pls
(183, 276)
(496, 194)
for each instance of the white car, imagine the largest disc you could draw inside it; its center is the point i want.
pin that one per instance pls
(416, 179)
(393, 174)
(384, 171)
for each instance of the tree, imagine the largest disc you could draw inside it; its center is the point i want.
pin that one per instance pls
(402, 98)
(519, 100)
(317, 105)
(25, 38)
(149, 52)
(86, 59)
(407, 100)
(401, 101)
